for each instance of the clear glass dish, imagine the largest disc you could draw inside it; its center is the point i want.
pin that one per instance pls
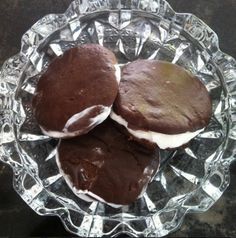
(190, 179)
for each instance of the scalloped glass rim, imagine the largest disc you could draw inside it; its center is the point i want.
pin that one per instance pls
(36, 38)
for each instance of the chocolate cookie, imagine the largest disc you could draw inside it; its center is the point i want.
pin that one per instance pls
(105, 166)
(77, 91)
(162, 103)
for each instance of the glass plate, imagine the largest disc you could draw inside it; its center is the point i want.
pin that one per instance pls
(190, 179)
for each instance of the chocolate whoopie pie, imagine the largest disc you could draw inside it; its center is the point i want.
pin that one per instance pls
(105, 166)
(77, 91)
(161, 103)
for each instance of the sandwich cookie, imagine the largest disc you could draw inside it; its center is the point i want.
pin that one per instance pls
(77, 91)
(104, 166)
(161, 104)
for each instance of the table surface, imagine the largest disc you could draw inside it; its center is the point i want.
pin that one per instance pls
(16, 218)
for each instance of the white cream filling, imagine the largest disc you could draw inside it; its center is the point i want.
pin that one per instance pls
(164, 141)
(117, 73)
(93, 122)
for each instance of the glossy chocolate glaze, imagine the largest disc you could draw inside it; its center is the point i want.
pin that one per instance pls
(162, 97)
(81, 78)
(105, 163)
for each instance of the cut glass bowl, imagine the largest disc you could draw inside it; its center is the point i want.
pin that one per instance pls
(190, 179)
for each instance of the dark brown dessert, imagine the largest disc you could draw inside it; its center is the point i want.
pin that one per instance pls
(106, 166)
(77, 91)
(160, 97)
